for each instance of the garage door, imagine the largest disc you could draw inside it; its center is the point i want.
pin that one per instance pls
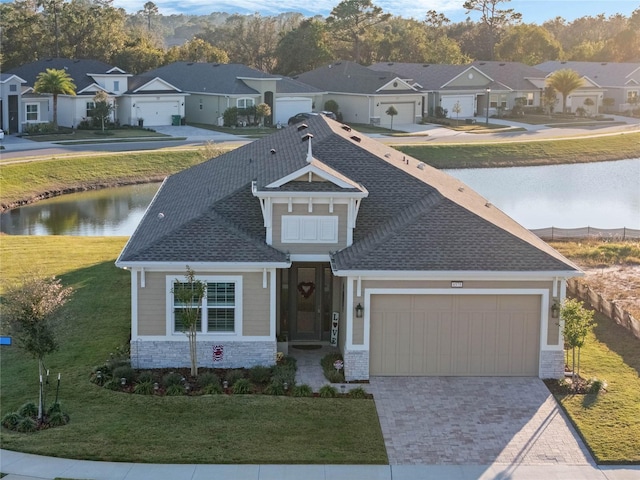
(156, 113)
(458, 335)
(287, 107)
(466, 105)
(406, 114)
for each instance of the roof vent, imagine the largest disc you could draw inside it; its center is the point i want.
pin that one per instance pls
(603, 63)
(346, 127)
(189, 64)
(215, 65)
(483, 63)
(338, 63)
(563, 63)
(421, 166)
(307, 137)
(302, 126)
(425, 65)
(502, 64)
(356, 138)
(161, 216)
(461, 189)
(387, 155)
(273, 151)
(76, 61)
(488, 205)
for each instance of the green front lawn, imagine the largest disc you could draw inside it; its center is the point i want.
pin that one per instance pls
(107, 425)
(609, 422)
(109, 134)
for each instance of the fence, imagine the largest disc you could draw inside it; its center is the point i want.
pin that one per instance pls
(555, 233)
(609, 309)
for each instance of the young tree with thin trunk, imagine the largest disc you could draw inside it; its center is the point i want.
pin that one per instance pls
(31, 310)
(102, 108)
(188, 298)
(577, 322)
(55, 82)
(392, 112)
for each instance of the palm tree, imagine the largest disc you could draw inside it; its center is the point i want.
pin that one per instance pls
(565, 81)
(55, 82)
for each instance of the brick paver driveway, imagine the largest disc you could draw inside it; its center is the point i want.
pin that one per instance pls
(463, 421)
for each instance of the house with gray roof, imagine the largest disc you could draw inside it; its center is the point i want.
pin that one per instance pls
(617, 81)
(364, 95)
(472, 87)
(215, 87)
(136, 99)
(10, 100)
(320, 234)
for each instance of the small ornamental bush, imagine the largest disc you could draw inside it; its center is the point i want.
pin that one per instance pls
(54, 408)
(275, 388)
(212, 389)
(26, 425)
(302, 391)
(284, 374)
(145, 376)
(233, 376)
(595, 386)
(144, 388)
(11, 420)
(358, 392)
(29, 409)
(172, 378)
(208, 378)
(290, 362)
(334, 376)
(112, 384)
(58, 419)
(327, 391)
(175, 390)
(124, 371)
(259, 374)
(242, 386)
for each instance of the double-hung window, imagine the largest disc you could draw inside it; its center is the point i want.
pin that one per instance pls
(89, 109)
(220, 309)
(32, 112)
(245, 103)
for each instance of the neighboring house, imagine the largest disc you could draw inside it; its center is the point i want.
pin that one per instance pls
(151, 99)
(619, 81)
(215, 87)
(10, 100)
(364, 95)
(317, 223)
(471, 86)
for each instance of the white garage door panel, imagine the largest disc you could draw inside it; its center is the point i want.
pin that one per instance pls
(156, 113)
(288, 107)
(406, 114)
(464, 335)
(466, 105)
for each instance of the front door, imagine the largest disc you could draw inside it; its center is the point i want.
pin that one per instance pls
(311, 301)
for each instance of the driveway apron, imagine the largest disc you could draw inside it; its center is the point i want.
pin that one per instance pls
(463, 420)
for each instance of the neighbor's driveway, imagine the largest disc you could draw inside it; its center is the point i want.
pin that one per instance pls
(482, 421)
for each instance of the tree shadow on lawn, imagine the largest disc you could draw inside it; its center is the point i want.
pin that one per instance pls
(619, 340)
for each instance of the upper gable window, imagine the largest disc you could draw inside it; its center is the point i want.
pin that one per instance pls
(309, 229)
(13, 88)
(246, 102)
(116, 85)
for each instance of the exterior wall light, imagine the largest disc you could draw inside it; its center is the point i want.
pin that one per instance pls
(359, 310)
(555, 309)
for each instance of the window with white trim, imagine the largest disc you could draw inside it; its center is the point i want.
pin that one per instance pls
(89, 109)
(221, 308)
(309, 229)
(245, 102)
(530, 98)
(32, 112)
(116, 85)
(632, 96)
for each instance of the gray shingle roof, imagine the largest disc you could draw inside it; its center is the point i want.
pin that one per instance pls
(349, 77)
(606, 74)
(220, 78)
(77, 69)
(415, 218)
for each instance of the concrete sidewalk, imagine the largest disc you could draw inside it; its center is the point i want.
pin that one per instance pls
(22, 466)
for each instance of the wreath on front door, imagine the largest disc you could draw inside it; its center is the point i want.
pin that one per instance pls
(306, 289)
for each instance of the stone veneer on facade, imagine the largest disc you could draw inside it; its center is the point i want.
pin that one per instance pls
(551, 364)
(356, 365)
(168, 354)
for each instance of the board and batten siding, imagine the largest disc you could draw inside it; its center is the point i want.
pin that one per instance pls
(299, 209)
(152, 301)
(358, 323)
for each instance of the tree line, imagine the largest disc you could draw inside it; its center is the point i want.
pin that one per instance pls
(290, 43)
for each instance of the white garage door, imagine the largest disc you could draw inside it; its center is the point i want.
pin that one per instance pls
(466, 105)
(287, 107)
(156, 113)
(406, 114)
(455, 335)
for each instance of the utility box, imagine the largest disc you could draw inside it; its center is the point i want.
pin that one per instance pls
(175, 120)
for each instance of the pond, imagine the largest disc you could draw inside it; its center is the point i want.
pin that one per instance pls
(603, 195)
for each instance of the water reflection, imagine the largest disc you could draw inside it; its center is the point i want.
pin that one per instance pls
(108, 212)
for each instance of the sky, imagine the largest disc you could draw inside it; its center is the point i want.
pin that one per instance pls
(533, 11)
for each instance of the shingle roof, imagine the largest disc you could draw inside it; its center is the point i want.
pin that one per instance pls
(415, 218)
(349, 77)
(215, 78)
(291, 86)
(606, 74)
(429, 76)
(77, 69)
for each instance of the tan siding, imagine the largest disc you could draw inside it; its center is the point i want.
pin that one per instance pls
(478, 80)
(303, 209)
(152, 303)
(354, 108)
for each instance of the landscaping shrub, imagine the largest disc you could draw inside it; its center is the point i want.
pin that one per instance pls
(145, 376)
(327, 391)
(112, 384)
(212, 389)
(29, 409)
(124, 371)
(284, 374)
(172, 378)
(595, 386)
(289, 361)
(358, 392)
(276, 387)
(303, 390)
(242, 386)
(175, 390)
(328, 367)
(144, 388)
(208, 378)
(260, 375)
(230, 116)
(11, 420)
(58, 419)
(26, 425)
(232, 376)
